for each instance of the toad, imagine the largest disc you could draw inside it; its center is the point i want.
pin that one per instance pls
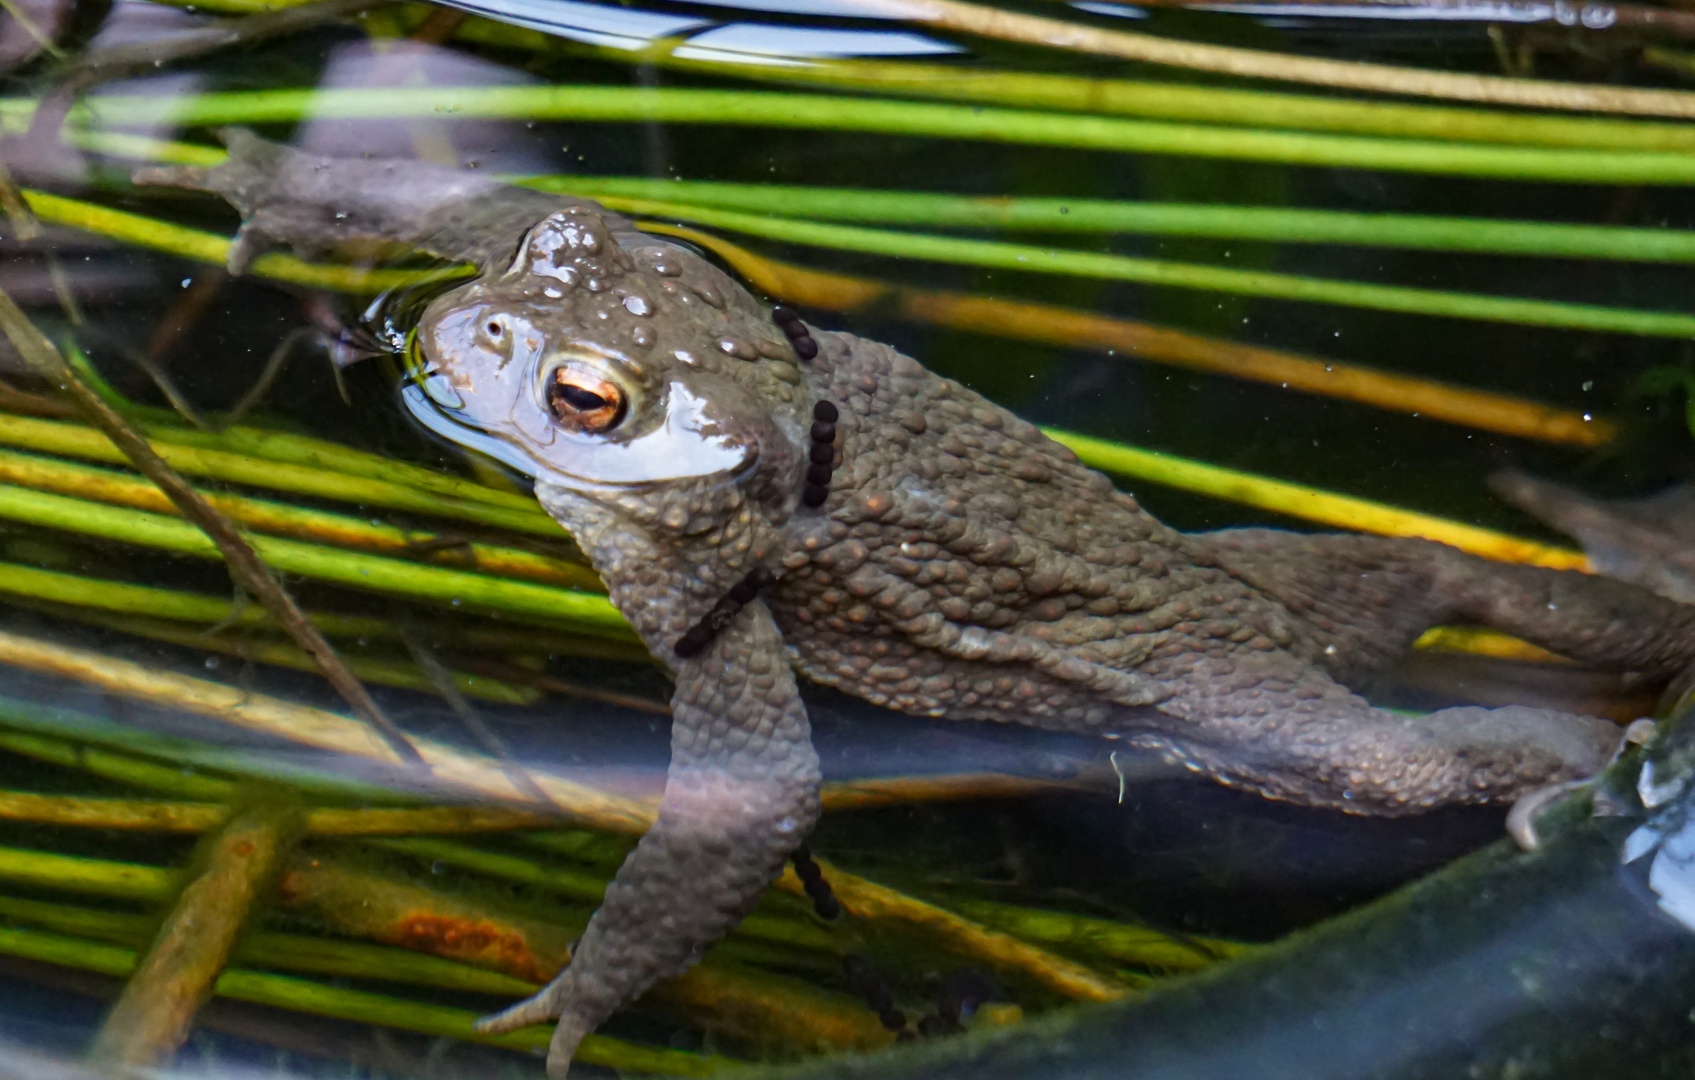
(768, 501)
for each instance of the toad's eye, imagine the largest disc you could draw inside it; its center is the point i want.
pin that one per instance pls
(494, 329)
(583, 401)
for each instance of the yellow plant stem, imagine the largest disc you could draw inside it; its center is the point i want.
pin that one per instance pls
(81, 441)
(1312, 504)
(1068, 327)
(1481, 641)
(869, 792)
(145, 815)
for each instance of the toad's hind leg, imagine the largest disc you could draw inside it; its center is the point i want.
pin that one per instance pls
(1364, 599)
(740, 796)
(1261, 724)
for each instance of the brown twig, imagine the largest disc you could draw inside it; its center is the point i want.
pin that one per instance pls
(155, 1012)
(245, 566)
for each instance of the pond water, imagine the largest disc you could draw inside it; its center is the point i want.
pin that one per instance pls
(1277, 302)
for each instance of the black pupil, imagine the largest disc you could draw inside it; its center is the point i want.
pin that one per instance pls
(494, 329)
(580, 399)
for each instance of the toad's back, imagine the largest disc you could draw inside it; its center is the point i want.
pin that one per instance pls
(966, 565)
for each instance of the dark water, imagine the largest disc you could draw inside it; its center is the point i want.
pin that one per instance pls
(1191, 862)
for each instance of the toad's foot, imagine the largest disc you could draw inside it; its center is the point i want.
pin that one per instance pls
(1521, 819)
(741, 794)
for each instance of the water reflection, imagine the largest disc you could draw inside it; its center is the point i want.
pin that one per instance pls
(803, 41)
(616, 28)
(622, 28)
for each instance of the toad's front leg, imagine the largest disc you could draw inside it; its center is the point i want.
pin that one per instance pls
(740, 796)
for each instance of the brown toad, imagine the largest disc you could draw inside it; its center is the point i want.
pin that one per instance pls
(908, 542)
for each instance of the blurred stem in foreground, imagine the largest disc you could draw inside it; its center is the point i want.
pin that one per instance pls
(155, 1013)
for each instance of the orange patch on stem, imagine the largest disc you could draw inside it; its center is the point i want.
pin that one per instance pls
(480, 942)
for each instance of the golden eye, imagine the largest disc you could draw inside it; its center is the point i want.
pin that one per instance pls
(583, 401)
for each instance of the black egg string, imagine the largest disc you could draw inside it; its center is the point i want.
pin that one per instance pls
(700, 635)
(961, 995)
(822, 454)
(817, 889)
(865, 981)
(800, 338)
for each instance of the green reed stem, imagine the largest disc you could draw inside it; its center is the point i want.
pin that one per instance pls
(917, 119)
(78, 440)
(97, 761)
(1094, 216)
(100, 877)
(1123, 942)
(570, 883)
(352, 569)
(283, 952)
(1124, 97)
(124, 597)
(1034, 259)
(302, 995)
